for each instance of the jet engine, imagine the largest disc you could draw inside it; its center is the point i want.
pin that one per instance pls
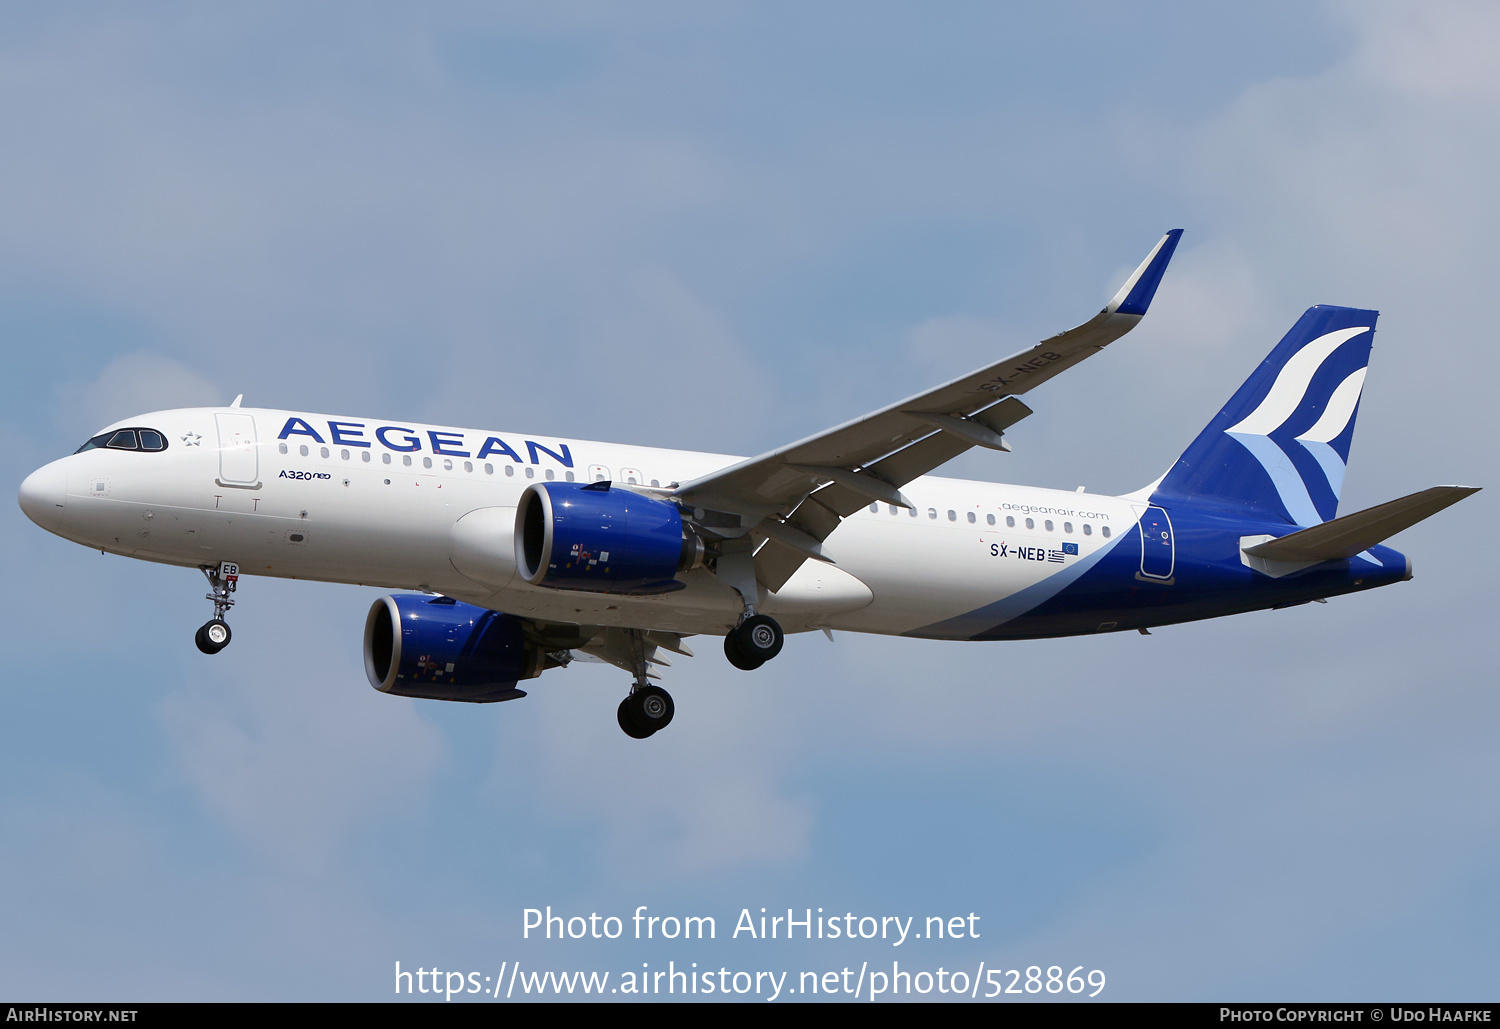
(442, 649)
(602, 539)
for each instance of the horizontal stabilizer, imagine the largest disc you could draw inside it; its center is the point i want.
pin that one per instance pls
(1354, 533)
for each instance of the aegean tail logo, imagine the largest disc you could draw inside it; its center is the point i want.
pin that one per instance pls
(1285, 398)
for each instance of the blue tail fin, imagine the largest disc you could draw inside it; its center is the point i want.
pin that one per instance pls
(1278, 449)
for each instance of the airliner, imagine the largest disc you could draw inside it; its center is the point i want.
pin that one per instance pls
(522, 554)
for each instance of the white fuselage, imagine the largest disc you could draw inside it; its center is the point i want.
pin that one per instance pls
(408, 506)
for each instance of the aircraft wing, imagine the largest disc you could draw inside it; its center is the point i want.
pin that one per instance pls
(795, 496)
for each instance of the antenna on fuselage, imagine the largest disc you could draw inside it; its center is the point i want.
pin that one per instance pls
(237, 400)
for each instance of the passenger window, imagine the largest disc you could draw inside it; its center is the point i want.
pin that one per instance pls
(971, 517)
(468, 466)
(1067, 526)
(549, 474)
(530, 472)
(990, 519)
(874, 508)
(510, 470)
(569, 476)
(1030, 524)
(406, 460)
(1088, 530)
(1010, 521)
(893, 508)
(447, 464)
(912, 511)
(1047, 525)
(426, 462)
(952, 515)
(281, 447)
(344, 454)
(302, 450)
(364, 455)
(1105, 530)
(323, 452)
(385, 458)
(932, 512)
(489, 469)
(655, 483)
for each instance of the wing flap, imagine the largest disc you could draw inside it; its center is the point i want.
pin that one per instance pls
(776, 563)
(814, 519)
(920, 458)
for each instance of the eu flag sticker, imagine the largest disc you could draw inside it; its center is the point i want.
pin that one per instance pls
(1070, 548)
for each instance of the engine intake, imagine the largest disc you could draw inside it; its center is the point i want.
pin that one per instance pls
(442, 649)
(601, 539)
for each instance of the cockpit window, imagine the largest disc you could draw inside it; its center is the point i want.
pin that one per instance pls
(126, 439)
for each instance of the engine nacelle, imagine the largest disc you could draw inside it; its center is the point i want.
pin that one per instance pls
(601, 539)
(443, 649)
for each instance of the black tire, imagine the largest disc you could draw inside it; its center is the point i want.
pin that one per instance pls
(736, 655)
(760, 638)
(652, 708)
(206, 633)
(625, 715)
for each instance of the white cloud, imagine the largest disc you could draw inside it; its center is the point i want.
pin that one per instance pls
(1371, 185)
(291, 754)
(1442, 50)
(129, 385)
(706, 794)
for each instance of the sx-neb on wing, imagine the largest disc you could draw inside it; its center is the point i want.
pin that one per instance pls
(529, 553)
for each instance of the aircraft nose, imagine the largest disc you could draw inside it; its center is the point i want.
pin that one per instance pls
(44, 494)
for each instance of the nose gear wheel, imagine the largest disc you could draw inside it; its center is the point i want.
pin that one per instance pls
(214, 635)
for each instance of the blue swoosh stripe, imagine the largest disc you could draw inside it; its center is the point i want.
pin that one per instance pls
(967, 626)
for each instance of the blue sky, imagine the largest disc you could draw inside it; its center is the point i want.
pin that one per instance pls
(727, 226)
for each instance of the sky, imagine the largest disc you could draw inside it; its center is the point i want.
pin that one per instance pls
(726, 226)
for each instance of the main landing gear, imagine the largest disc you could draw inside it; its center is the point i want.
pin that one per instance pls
(213, 635)
(753, 642)
(648, 709)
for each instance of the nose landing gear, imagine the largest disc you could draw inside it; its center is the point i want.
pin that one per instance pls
(214, 635)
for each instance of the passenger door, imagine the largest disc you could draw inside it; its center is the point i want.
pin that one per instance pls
(1158, 547)
(239, 456)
